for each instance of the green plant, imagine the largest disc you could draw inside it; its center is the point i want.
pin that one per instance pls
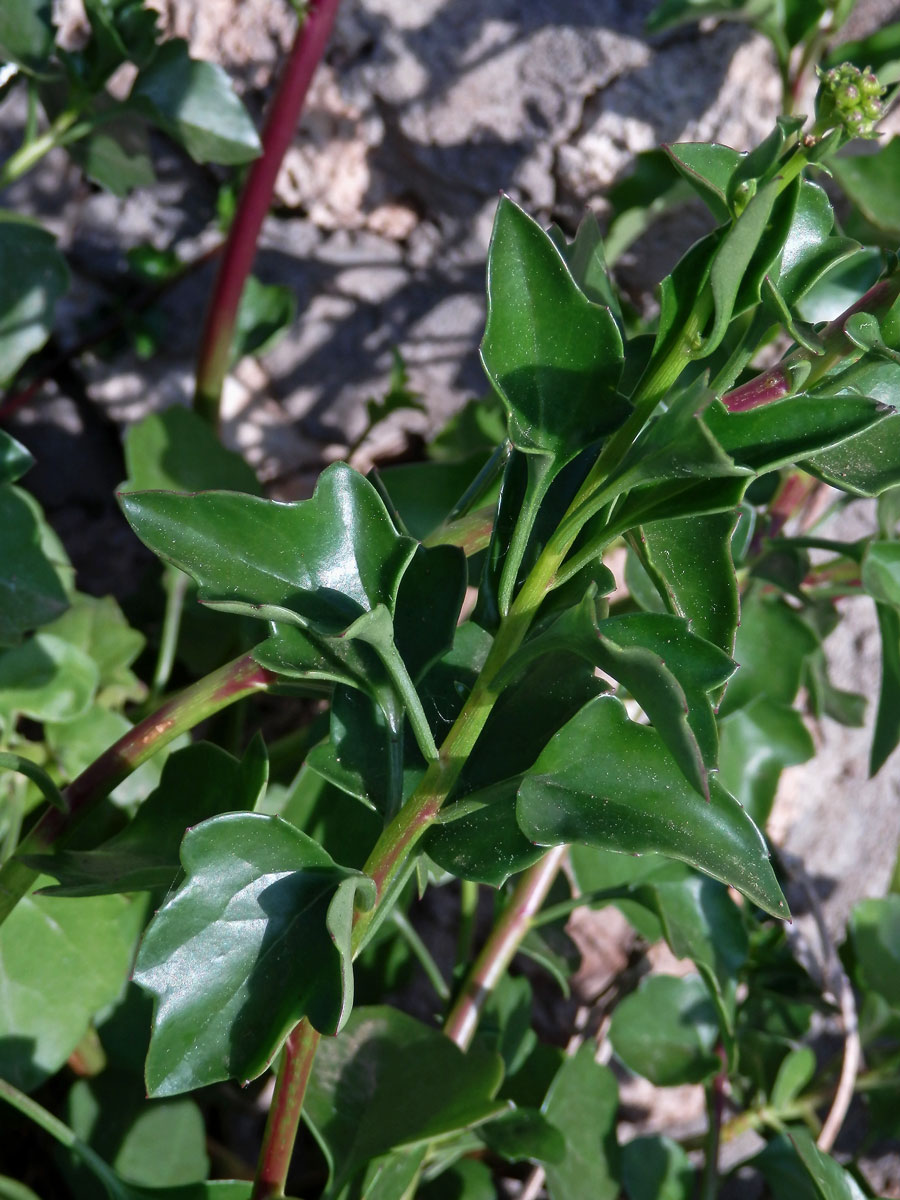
(268, 897)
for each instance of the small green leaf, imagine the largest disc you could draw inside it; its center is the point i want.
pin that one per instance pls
(875, 934)
(158, 1144)
(196, 105)
(708, 168)
(795, 1169)
(33, 568)
(116, 155)
(264, 314)
(756, 743)
(15, 460)
(656, 1168)
(553, 355)
(197, 783)
(582, 1101)
(667, 1030)
(256, 937)
(176, 450)
(26, 34)
(797, 1071)
(690, 560)
(467, 1179)
(630, 796)
(524, 1135)
(768, 622)
(98, 626)
(47, 679)
(73, 954)
(34, 275)
(870, 182)
(373, 1089)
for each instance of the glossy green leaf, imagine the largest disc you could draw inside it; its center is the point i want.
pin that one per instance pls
(265, 313)
(632, 798)
(195, 104)
(582, 1102)
(795, 1169)
(875, 935)
(756, 743)
(197, 783)
(256, 937)
(15, 460)
(841, 285)
(667, 1030)
(656, 1168)
(810, 249)
(373, 1089)
(708, 168)
(864, 465)
(691, 563)
(26, 34)
(73, 954)
(487, 844)
(773, 435)
(47, 679)
(328, 559)
(553, 355)
(176, 450)
(34, 276)
(887, 720)
(524, 1135)
(870, 180)
(33, 568)
(772, 644)
(158, 1144)
(587, 264)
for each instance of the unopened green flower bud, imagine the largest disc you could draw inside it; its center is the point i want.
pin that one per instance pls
(849, 98)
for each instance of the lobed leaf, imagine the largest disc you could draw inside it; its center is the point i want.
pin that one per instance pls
(256, 937)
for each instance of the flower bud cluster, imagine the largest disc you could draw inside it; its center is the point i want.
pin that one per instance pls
(850, 98)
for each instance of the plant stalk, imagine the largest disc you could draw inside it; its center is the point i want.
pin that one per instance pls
(31, 152)
(256, 198)
(499, 950)
(284, 1114)
(209, 695)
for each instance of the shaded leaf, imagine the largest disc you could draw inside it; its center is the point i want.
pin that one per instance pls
(33, 568)
(15, 460)
(772, 643)
(756, 743)
(116, 154)
(631, 797)
(197, 783)
(34, 275)
(524, 1135)
(47, 679)
(195, 104)
(875, 934)
(552, 354)
(176, 450)
(887, 720)
(257, 936)
(796, 1170)
(26, 34)
(797, 1070)
(98, 626)
(75, 955)
(264, 314)
(656, 1168)
(870, 182)
(582, 1101)
(667, 1030)
(373, 1089)
(708, 168)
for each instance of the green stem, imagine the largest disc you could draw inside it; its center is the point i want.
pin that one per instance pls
(222, 688)
(468, 911)
(37, 775)
(176, 584)
(31, 152)
(499, 950)
(284, 1113)
(64, 1135)
(422, 953)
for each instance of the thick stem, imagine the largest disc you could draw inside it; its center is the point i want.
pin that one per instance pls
(284, 1114)
(782, 379)
(230, 683)
(240, 250)
(499, 950)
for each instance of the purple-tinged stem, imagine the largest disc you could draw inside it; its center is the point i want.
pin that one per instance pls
(778, 381)
(240, 249)
(499, 950)
(209, 695)
(284, 1113)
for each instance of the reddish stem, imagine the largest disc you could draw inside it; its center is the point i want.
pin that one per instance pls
(284, 1114)
(240, 249)
(208, 696)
